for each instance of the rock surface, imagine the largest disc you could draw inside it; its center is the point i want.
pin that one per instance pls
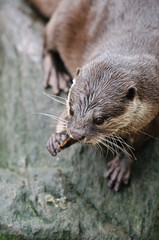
(65, 197)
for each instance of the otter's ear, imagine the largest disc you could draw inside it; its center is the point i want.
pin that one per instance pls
(131, 92)
(78, 70)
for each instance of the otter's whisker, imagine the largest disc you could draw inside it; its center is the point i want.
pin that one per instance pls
(54, 98)
(99, 146)
(53, 117)
(114, 141)
(106, 145)
(144, 133)
(111, 148)
(121, 140)
(123, 150)
(112, 144)
(103, 150)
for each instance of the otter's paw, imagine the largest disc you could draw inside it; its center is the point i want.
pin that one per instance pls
(55, 78)
(119, 171)
(55, 142)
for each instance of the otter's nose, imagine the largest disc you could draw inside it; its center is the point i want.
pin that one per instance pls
(76, 136)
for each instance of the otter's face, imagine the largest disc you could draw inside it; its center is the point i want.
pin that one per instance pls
(100, 103)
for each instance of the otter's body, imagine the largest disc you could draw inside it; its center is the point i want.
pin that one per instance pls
(115, 94)
(81, 30)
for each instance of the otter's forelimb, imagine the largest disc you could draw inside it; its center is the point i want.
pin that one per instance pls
(119, 171)
(58, 142)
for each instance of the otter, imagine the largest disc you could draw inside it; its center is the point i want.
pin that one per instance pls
(111, 51)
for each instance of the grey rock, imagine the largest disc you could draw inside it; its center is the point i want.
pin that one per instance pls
(64, 197)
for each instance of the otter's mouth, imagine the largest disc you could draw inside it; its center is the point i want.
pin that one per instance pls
(80, 136)
(81, 139)
(77, 137)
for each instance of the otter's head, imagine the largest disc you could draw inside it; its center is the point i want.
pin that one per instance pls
(103, 100)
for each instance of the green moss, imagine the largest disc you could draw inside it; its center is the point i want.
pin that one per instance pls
(2, 237)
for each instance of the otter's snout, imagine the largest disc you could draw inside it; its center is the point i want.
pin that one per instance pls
(76, 135)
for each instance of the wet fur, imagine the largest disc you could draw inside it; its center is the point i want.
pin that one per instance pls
(116, 46)
(104, 93)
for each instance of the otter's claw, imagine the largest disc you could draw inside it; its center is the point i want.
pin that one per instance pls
(119, 171)
(54, 143)
(55, 78)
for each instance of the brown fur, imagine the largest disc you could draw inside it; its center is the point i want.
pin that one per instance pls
(116, 45)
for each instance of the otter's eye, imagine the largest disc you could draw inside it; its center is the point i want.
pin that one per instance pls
(99, 120)
(71, 111)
